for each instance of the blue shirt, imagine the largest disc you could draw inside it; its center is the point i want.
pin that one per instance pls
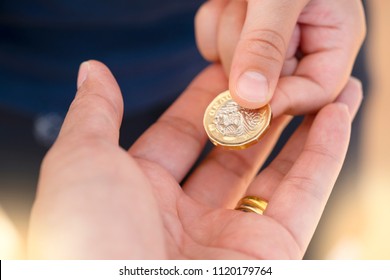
(148, 45)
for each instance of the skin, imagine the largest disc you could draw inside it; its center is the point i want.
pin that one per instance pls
(96, 200)
(262, 36)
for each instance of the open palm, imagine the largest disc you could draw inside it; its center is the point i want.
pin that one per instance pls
(98, 201)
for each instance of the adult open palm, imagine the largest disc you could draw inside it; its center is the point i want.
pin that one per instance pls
(98, 201)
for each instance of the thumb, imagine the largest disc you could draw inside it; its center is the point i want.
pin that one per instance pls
(96, 111)
(261, 50)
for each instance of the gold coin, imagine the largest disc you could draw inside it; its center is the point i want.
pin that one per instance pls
(231, 126)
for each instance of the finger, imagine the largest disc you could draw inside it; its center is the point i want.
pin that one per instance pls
(268, 180)
(96, 112)
(291, 62)
(218, 28)
(352, 96)
(261, 50)
(329, 45)
(206, 28)
(229, 30)
(298, 202)
(177, 138)
(223, 177)
(230, 26)
(298, 183)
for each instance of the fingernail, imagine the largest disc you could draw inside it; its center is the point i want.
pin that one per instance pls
(253, 87)
(83, 74)
(352, 96)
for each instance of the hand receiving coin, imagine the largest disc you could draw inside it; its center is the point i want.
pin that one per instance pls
(231, 126)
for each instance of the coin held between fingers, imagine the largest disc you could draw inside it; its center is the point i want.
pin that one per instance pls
(233, 127)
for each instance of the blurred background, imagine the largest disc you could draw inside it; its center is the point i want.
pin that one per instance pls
(356, 222)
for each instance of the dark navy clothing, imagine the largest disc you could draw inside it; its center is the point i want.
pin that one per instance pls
(149, 46)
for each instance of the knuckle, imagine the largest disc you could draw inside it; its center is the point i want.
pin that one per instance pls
(95, 103)
(305, 185)
(267, 44)
(232, 163)
(280, 166)
(359, 22)
(180, 128)
(363, 31)
(324, 151)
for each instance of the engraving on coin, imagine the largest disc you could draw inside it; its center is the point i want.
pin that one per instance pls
(232, 120)
(231, 126)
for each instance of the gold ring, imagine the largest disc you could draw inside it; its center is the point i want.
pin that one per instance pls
(252, 204)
